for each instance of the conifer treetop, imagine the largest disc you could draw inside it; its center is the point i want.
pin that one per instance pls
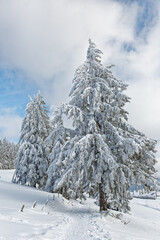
(93, 53)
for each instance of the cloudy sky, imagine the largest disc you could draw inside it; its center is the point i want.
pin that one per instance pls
(42, 43)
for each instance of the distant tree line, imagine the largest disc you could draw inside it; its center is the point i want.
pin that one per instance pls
(102, 155)
(8, 152)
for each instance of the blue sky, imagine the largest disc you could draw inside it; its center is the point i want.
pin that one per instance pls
(14, 90)
(42, 43)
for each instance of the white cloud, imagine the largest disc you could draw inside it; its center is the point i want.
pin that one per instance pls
(10, 124)
(48, 40)
(143, 69)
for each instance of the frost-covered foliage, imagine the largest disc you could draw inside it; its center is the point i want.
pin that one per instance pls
(55, 141)
(104, 154)
(8, 152)
(32, 162)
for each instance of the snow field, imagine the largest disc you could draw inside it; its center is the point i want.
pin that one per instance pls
(57, 218)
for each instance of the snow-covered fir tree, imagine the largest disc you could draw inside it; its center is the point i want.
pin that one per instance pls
(106, 154)
(32, 159)
(8, 152)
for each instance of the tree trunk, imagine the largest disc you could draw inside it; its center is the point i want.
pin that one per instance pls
(102, 199)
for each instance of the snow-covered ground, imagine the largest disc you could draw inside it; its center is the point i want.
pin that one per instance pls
(57, 218)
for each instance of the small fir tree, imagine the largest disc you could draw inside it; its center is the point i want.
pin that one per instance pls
(32, 162)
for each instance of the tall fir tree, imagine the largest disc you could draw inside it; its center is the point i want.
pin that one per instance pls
(106, 154)
(32, 160)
